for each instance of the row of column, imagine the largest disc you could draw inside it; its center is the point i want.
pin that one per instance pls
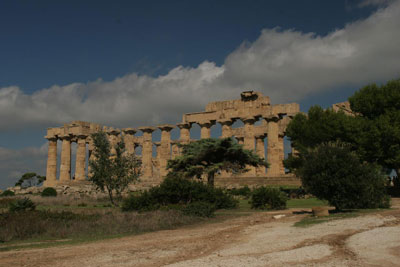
(275, 147)
(65, 166)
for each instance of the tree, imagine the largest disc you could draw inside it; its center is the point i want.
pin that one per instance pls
(112, 172)
(31, 179)
(333, 172)
(208, 156)
(378, 109)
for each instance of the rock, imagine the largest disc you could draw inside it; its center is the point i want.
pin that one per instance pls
(279, 216)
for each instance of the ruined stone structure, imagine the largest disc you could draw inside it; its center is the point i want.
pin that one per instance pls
(250, 108)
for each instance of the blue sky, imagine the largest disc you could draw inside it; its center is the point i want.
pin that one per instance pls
(137, 63)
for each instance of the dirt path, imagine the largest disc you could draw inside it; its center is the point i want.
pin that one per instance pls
(256, 240)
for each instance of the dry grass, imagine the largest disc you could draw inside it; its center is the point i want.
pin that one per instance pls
(44, 225)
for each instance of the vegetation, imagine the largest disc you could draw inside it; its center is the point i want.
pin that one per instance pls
(23, 204)
(48, 225)
(334, 173)
(30, 179)
(49, 192)
(209, 156)
(182, 192)
(244, 191)
(112, 172)
(378, 110)
(268, 198)
(7, 193)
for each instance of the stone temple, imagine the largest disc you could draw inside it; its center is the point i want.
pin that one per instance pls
(252, 107)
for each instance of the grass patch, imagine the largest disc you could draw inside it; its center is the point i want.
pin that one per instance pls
(306, 203)
(42, 226)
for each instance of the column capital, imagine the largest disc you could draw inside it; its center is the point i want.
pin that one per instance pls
(65, 137)
(113, 131)
(166, 127)
(260, 136)
(51, 137)
(228, 122)
(147, 129)
(272, 117)
(184, 125)
(206, 123)
(131, 131)
(249, 120)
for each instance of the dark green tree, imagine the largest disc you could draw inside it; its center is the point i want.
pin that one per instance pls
(378, 109)
(112, 172)
(211, 155)
(333, 172)
(30, 179)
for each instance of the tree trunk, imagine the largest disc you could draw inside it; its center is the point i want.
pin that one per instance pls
(110, 194)
(210, 179)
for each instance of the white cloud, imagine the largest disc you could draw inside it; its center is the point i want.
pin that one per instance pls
(287, 65)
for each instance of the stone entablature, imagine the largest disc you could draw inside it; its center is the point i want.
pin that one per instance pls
(251, 107)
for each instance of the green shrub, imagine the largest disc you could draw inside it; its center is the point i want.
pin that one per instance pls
(83, 204)
(268, 198)
(23, 204)
(199, 209)
(49, 192)
(244, 191)
(143, 202)
(7, 193)
(176, 190)
(334, 173)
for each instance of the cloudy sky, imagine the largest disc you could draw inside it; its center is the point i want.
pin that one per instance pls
(139, 63)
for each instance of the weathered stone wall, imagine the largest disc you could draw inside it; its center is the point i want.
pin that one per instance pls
(250, 108)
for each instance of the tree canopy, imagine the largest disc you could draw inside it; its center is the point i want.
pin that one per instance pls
(31, 179)
(374, 131)
(112, 172)
(211, 155)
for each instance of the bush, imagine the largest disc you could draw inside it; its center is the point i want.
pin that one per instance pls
(49, 192)
(199, 209)
(244, 191)
(333, 173)
(268, 198)
(176, 190)
(5, 202)
(7, 193)
(23, 204)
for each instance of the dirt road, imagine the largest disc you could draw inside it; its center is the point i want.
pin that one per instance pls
(256, 240)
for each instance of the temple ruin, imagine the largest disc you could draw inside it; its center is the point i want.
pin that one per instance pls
(250, 108)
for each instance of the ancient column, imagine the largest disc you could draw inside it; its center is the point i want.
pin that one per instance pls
(80, 159)
(184, 132)
(205, 129)
(129, 142)
(113, 139)
(175, 149)
(281, 151)
(248, 141)
(65, 167)
(147, 151)
(260, 150)
(51, 171)
(165, 149)
(273, 146)
(226, 127)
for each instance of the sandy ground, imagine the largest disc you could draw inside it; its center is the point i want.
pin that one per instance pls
(256, 240)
